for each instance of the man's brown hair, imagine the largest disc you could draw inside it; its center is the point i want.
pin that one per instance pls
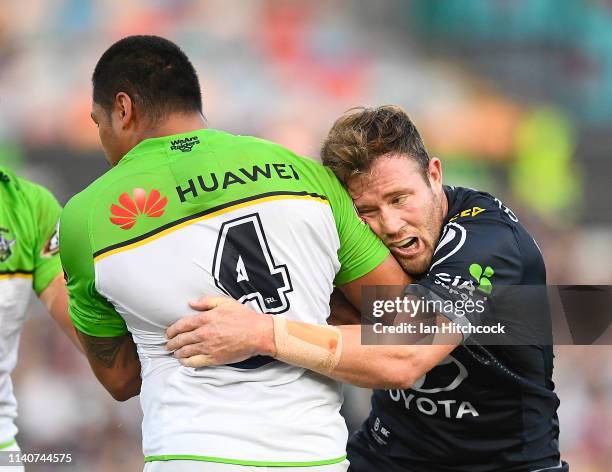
(362, 135)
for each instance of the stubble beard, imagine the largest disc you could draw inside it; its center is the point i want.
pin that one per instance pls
(433, 228)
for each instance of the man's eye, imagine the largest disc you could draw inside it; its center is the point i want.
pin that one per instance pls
(366, 212)
(400, 200)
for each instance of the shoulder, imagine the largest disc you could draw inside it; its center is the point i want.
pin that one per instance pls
(311, 172)
(260, 145)
(27, 193)
(77, 212)
(87, 199)
(478, 221)
(468, 205)
(481, 231)
(7, 177)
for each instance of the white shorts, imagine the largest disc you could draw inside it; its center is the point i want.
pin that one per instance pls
(198, 466)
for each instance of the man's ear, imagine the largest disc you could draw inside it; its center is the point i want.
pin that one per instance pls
(124, 107)
(435, 171)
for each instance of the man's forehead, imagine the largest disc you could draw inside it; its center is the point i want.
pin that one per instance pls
(386, 175)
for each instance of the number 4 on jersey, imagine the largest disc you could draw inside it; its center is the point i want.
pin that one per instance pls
(244, 268)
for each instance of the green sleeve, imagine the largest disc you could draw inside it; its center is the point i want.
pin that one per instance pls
(90, 312)
(45, 255)
(361, 251)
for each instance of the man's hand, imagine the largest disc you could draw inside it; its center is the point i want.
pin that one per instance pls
(225, 332)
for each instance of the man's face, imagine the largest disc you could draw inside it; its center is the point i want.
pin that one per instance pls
(114, 139)
(403, 208)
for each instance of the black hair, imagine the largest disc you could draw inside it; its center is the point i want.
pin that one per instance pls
(153, 71)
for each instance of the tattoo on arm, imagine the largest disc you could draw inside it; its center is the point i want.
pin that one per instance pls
(104, 350)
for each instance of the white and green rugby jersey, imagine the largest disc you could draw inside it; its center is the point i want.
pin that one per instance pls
(28, 259)
(208, 213)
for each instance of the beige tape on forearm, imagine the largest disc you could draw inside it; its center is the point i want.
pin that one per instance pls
(314, 347)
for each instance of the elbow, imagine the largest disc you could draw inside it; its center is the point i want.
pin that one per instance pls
(406, 373)
(405, 380)
(400, 378)
(121, 395)
(123, 391)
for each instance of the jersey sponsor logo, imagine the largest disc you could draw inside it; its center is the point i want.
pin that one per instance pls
(482, 277)
(455, 285)
(202, 184)
(445, 377)
(52, 246)
(130, 207)
(184, 144)
(6, 244)
(474, 211)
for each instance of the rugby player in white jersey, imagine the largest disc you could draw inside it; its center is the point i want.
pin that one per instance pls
(188, 211)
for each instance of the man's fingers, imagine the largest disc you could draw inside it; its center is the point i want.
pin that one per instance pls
(189, 323)
(182, 339)
(201, 360)
(209, 302)
(188, 351)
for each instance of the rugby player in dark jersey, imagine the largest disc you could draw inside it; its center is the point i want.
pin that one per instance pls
(461, 407)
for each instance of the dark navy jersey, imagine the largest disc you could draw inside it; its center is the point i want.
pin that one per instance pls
(483, 408)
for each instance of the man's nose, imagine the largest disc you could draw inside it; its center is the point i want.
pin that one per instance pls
(391, 223)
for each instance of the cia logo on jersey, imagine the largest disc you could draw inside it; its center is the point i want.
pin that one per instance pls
(6, 244)
(130, 207)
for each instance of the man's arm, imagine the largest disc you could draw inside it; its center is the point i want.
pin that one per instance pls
(388, 273)
(48, 280)
(227, 331)
(384, 367)
(342, 312)
(346, 298)
(114, 360)
(55, 299)
(102, 331)
(115, 363)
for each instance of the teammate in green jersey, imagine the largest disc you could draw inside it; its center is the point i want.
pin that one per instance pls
(187, 211)
(29, 260)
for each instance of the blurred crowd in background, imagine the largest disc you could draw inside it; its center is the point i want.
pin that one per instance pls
(515, 97)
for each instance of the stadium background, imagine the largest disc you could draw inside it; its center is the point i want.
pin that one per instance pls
(514, 96)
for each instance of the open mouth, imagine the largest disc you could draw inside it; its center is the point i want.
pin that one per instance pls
(406, 243)
(407, 247)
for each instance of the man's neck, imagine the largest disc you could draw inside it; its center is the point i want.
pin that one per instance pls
(444, 204)
(176, 123)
